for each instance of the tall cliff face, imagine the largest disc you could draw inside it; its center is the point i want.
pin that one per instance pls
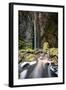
(35, 28)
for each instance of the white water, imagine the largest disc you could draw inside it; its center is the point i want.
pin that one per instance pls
(35, 31)
(23, 74)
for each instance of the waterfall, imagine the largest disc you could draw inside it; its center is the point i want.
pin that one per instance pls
(34, 30)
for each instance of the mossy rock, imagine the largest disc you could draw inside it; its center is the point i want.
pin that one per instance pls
(45, 47)
(30, 57)
(30, 50)
(55, 60)
(53, 51)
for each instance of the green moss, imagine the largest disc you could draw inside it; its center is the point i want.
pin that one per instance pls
(30, 57)
(53, 51)
(45, 47)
